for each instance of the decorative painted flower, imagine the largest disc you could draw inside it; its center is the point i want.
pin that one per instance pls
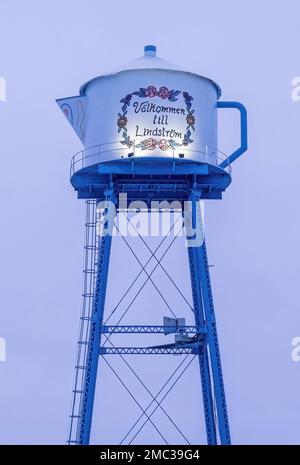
(151, 91)
(186, 96)
(163, 144)
(163, 92)
(173, 144)
(122, 122)
(190, 119)
(126, 99)
(150, 144)
(127, 141)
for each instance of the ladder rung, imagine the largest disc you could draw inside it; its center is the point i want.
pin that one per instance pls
(85, 343)
(77, 391)
(80, 367)
(75, 416)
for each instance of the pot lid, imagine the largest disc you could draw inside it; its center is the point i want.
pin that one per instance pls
(149, 60)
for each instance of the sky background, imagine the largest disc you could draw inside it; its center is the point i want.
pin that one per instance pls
(47, 50)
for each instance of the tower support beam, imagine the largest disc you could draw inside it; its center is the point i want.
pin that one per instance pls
(205, 314)
(207, 350)
(88, 395)
(203, 355)
(196, 223)
(214, 351)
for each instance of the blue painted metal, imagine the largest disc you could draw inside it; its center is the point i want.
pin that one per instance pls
(214, 351)
(94, 339)
(150, 48)
(132, 329)
(147, 351)
(243, 131)
(204, 312)
(204, 324)
(151, 178)
(210, 367)
(200, 320)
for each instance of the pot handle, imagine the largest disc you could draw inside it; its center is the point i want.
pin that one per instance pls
(244, 140)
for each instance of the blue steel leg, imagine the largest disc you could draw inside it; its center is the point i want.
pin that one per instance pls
(214, 350)
(88, 394)
(203, 356)
(200, 257)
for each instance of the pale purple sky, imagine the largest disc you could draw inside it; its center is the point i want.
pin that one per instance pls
(48, 49)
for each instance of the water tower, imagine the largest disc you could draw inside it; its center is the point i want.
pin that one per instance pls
(149, 131)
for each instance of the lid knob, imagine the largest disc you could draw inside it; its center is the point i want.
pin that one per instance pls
(150, 50)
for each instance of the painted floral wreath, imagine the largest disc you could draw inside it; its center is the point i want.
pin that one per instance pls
(151, 143)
